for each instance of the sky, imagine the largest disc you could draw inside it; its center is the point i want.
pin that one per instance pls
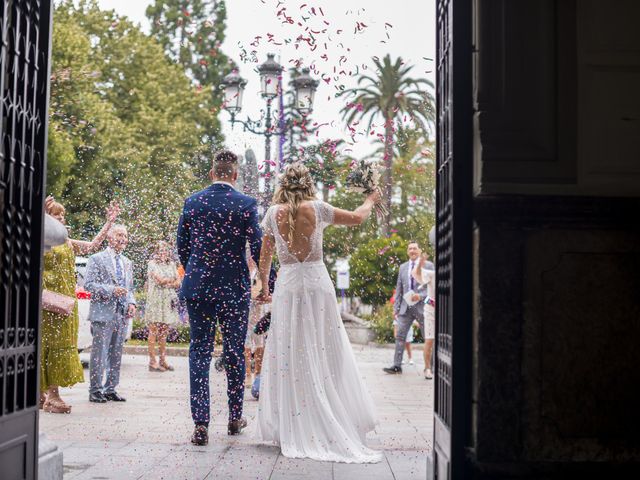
(354, 32)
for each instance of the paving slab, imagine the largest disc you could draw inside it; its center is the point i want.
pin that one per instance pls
(147, 437)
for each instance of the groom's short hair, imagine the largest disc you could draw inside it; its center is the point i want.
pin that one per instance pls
(225, 164)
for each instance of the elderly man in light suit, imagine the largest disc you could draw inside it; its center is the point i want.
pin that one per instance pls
(109, 278)
(407, 314)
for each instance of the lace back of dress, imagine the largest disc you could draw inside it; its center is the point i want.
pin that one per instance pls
(311, 244)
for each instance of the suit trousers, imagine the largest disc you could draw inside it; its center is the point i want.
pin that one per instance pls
(232, 317)
(106, 354)
(405, 320)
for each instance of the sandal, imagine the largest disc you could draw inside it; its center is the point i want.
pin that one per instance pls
(159, 368)
(166, 366)
(56, 406)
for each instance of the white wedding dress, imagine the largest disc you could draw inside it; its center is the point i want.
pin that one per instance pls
(313, 402)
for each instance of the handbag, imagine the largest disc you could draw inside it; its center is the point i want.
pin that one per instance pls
(57, 303)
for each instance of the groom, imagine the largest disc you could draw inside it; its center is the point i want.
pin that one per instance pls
(213, 232)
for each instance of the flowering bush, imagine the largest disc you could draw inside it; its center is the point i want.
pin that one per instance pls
(374, 268)
(382, 323)
(177, 333)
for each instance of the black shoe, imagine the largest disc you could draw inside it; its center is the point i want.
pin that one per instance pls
(97, 397)
(393, 370)
(200, 435)
(220, 365)
(236, 426)
(114, 397)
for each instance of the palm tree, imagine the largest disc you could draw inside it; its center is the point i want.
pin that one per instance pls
(413, 162)
(394, 96)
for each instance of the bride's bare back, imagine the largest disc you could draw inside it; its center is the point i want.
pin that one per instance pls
(310, 220)
(305, 226)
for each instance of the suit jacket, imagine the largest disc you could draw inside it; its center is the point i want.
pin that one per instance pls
(214, 228)
(403, 285)
(100, 281)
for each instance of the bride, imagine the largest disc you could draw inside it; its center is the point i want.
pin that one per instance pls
(313, 403)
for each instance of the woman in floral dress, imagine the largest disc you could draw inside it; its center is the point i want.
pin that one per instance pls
(161, 309)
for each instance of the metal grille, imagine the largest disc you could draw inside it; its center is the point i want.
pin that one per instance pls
(453, 237)
(444, 224)
(24, 64)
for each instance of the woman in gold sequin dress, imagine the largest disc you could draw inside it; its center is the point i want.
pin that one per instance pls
(60, 363)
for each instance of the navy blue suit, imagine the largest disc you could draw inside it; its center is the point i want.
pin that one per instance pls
(215, 226)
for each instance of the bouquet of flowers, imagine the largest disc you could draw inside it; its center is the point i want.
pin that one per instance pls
(365, 178)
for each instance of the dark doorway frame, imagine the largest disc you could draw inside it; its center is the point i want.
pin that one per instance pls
(24, 73)
(454, 261)
(25, 53)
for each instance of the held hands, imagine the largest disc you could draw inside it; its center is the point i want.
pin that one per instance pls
(264, 296)
(415, 297)
(120, 292)
(131, 311)
(166, 282)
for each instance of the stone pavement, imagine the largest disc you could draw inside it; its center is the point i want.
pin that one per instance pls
(148, 436)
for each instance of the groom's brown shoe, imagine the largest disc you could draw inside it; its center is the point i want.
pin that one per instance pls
(236, 426)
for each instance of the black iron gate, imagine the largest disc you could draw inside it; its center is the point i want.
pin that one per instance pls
(25, 32)
(453, 239)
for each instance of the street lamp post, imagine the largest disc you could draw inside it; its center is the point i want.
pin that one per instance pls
(304, 88)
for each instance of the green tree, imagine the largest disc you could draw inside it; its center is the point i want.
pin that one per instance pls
(191, 33)
(374, 268)
(413, 211)
(121, 126)
(324, 163)
(390, 95)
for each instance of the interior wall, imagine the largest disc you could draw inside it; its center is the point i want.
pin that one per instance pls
(557, 104)
(556, 238)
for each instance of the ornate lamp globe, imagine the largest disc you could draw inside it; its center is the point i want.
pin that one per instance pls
(233, 85)
(270, 72)
(305, 89)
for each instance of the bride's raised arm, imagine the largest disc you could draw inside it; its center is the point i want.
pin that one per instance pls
(359, 215)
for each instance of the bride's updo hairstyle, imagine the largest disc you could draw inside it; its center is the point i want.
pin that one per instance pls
(295, 185)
